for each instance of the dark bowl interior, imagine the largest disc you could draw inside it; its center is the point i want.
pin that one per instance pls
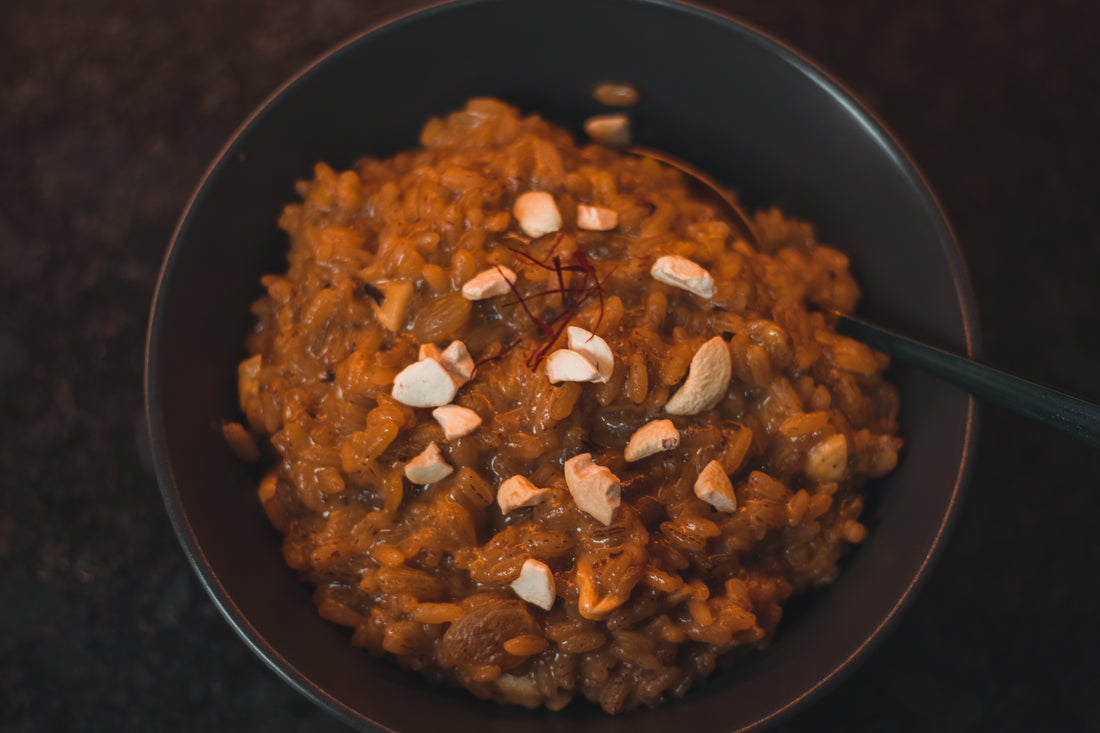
(716, 93)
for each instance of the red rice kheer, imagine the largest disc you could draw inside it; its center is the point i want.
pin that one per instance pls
(544, 426)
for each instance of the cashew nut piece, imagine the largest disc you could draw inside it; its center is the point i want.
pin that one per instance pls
(428, 467)
(596, 219)
(828, 460)
(517, 491)
(489, 283)
(456, 359)
(535, 584)
(653, 437)
(594, 349)
(425, 383)
(537, 213)
(713, 486)
(683, 273)
(457, 421)
(595, 490)
(612, 130)
(429, 351)
(395, 305)
(565, 365)
(707, 380)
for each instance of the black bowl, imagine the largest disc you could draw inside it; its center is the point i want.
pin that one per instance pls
(717, 93)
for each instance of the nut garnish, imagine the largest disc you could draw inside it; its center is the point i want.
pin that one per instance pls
(828, 460)
(594, 349)
(565, 365)
(517, 491)
(713, 486)
(425, 383)
(616, 95)
(596, 219)
(707, 380)
(457, 421)
(456, 359)
(535, 584)
(395, 304)
(428, 467)
(537, 213)
(489, 283)
(429, 351)
(595, 489)
(682, 273)
(653, 437)
(612, 130)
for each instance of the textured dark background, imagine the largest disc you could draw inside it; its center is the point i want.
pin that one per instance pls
(111, 109)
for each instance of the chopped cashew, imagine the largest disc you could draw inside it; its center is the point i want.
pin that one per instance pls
(428, 467)
(489, 283)
(395, 304)
(518, 492)
(707, 380)
(565, 365)
(537, 213)
(594, 349)
(520, 689)
(612, 130)
(828, 460)
(457, 360)
(653, 437)
(616, 95)
(535, 584)
(683, 273)
(596, 219)
(457, 421)
(430, 351)
(595, 490)
(713, 486)
(425, 383)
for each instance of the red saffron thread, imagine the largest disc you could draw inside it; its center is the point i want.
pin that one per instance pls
(561, 279)
(590, 284)
(544, 327)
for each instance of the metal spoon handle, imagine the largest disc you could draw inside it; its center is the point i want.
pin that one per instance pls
(1070, 415)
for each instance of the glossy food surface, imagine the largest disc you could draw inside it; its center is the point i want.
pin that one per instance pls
(654, 509)
(802, 143)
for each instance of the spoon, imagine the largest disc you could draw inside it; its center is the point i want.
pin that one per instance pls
(1074, 417)
(709, 186)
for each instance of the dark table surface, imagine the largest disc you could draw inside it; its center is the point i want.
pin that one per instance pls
(111, 109)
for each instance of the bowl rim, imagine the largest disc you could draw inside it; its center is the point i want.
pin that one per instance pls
(884, 139)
